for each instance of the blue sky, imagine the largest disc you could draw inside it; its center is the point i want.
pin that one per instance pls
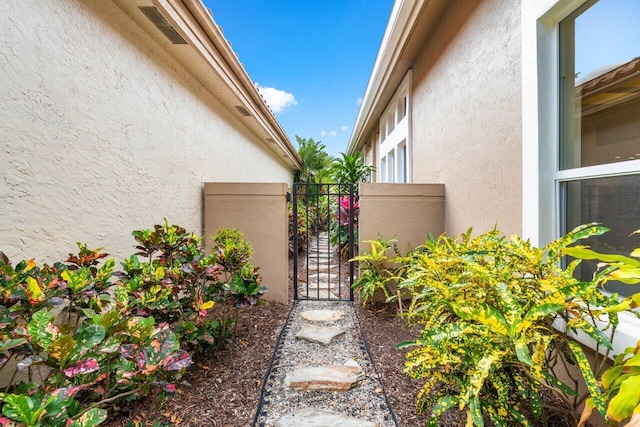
(312, 59)
(607, 35)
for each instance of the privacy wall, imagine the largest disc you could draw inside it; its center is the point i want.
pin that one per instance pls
(102, 132)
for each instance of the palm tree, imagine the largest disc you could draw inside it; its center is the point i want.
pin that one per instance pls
(315, 160)
(350, 169)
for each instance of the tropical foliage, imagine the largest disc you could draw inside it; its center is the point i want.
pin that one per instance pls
(378, 271)
(498, 315)
(350, 169)
(84, 336)
(621, 382)
(315, 161)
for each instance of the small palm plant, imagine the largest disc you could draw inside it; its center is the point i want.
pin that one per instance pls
(350, 169)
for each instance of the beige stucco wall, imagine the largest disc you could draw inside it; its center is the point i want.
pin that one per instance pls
(419, 206)
(102, 132)
(260, 212)
(466, 120)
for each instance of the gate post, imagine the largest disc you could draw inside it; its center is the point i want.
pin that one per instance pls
(259, 210)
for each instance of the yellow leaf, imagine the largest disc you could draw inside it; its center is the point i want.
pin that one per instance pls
(30, 264)
(206, 305)
(33, 290)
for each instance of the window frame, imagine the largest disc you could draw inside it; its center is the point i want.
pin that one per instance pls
(542, 177)
(397, 135)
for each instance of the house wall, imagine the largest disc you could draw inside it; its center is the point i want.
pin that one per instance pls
(466, 127)
(102, 132)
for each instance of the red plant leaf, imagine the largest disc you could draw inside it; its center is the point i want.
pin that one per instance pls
(170, 388)
(176, 362)
(141, 359)
(82, 367)
(128, 350)
(68, 392)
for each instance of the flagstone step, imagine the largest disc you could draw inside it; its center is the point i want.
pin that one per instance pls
(324, 378)
(315, 417)
(322, 315)
(319, 334)
(316, 293)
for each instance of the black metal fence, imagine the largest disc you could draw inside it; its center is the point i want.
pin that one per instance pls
(325, 219)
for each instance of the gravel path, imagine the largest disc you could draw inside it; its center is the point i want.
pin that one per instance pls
(366, 401)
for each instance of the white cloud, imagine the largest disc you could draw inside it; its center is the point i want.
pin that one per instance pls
(277, 99)
(359, 101)
(323, 133)
(330, 133)
(333, 133)
(345, 128)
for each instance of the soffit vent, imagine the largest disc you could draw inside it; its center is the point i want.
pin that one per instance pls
(163, 25)
(243, 110)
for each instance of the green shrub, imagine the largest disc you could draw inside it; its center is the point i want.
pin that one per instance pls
(90, 336)
(379, 272)
(621, 382)
(496, 314)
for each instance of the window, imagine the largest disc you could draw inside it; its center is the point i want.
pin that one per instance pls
(570, 171)
(394, 145)
(598, 175)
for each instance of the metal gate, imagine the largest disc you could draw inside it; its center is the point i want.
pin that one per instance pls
(325, 218)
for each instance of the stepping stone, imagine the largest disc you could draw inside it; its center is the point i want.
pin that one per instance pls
(320, 334)
(325, 378)
(314, 417)
(353, 364)
(314, 293)
(322, 315)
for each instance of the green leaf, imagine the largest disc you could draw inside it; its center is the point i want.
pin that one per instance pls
(628, 397)
(584, 252)
(442, 405)
(41, 329)
(475, 412)
(18, 408)
(11, 343)
(89, 336)
(522, 351)
(543, 310)
(610, 376)
(587, 374)
(92, 417)
(483, 314)
(588, 328)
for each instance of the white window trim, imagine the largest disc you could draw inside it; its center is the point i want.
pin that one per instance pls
(541, 176)
(401, 132)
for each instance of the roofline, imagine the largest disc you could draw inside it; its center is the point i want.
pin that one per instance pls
(255, 102)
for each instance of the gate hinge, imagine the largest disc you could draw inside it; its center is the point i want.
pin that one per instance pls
(288, 197)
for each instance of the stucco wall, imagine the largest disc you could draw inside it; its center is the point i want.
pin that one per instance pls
(102, 132)
(467, 115)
